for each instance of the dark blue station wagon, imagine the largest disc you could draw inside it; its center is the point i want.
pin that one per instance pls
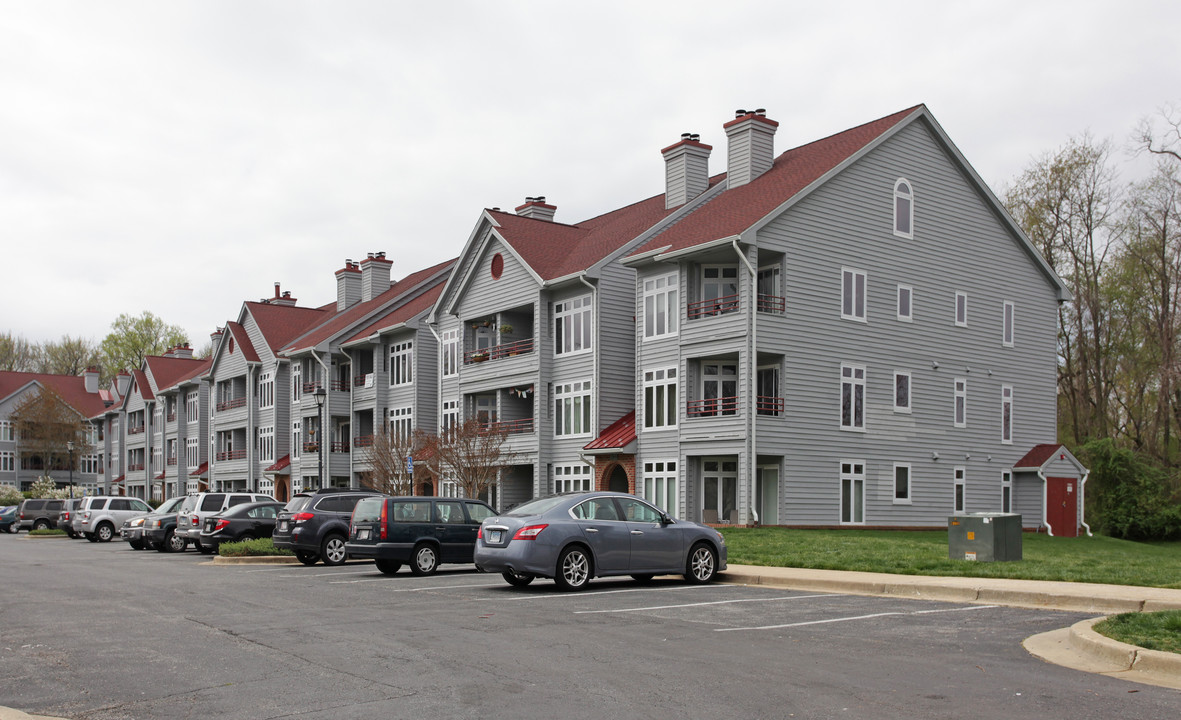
(421, 532)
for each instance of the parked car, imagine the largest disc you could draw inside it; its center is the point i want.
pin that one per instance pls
(316, 524)
(420, 531)
(8, 519)
(191, 517)
(159, 528)
(100, 516)
(573, 538)
(38, 514)
(241, 522)
(65, 517)
(135, 530)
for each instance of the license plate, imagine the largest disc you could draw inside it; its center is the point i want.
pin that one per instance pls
(283, 526)
(362, 534)
(494, 536)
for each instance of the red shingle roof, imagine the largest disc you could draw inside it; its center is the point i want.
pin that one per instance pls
(1038, 456)
(281, 464)
(617, 435)
(201, 471)
(242, 340)
(140, 384)
(168, 371)
(401, 314)
(737, 209)
(71, 388)
(280, 324)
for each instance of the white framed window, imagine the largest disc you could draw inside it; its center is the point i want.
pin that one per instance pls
(768, 401)
(296, 381)
(903, 209)
(1006, 491)
(266, 390)
(852, 397)
(401, 423)
(659, 485)
(719, 494)
(448, 487)
(266, 444)
(661, 306)
(192, 449)
(1007, 414)
(852, 492)
(7, 461)
(296, 439)
(660, 398)
(852, 294)
(157, 459)
(572, 325)
(905, 303)
(89, 465)
(960, 407)
(448, 416)
(450, 352)
(901, 391)
(572, 478)
(1007, 325)
(961, 309)
(771, 299)
(719, 390)
(572, 408)
(902, 484)
(402, 363)
(960, 489)
(7, 431)
(192, 407)
(719, 290)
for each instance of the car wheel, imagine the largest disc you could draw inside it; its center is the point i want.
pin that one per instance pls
(174, 542)
(388, 567)
(90, 537)
(332, 550)
(206, 549)
(104, 532)
(574, 569)
(71, 534)
(702, 564)
(244, 537)
(136, 544)
(41, 525)
(425, 560)
(643, 578)
(516, 579)
(307, 558)
(13, 529)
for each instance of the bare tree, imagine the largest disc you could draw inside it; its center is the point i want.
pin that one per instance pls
(474, 453)
(17, 354)
(68, 356)
(398, 461)
(1160, 135)
(45, 425)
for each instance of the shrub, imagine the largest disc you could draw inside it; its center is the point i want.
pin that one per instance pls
(1128, 496)
(251, 548)
(10, 496)
(47, 532)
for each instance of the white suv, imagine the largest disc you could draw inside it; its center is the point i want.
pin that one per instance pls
(98, 518)
(200, 506)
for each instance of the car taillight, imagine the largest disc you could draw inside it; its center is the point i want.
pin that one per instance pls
(385, 520)
(480, 533)
(529, 532)
(66, 516)
(194, 520)
(302, 517)
(222, 522)
(86, 515)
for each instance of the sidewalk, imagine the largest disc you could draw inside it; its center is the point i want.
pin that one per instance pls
(1078, 647)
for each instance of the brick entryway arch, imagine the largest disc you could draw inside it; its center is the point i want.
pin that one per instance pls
(618, 473)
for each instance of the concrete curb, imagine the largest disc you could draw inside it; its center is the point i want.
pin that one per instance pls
(1079, 647)
(1131, 657)
(252, 560)
(13, 714)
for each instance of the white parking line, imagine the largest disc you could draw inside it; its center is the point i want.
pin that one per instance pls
(572, 596)
(856, 617)
(714, 602)
(417, 589)
(328, 574)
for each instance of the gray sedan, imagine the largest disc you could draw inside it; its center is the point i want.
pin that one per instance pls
(572, 538)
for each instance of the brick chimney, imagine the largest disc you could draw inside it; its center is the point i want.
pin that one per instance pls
(375, 275)
(284, 299)
(752, 146)
(348, 285)
(536, 208)
(90, 379)
(686, 170)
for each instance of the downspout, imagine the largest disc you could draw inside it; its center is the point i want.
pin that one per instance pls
(1045, 503)
(251, 427)
(754, 366)
(597, 379)
(1082, 483)
(324, 417)
(352, 387)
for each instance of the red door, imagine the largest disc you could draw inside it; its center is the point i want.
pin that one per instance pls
(1062, 506)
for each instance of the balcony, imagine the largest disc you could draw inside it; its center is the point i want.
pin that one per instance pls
(509, 427)
(716, 306)
(339, 385)
(311, 447)
(338, 446)
(497, 352)
(772, 304)
(311, 387)
(363, 381)
(131, 467)
(171, 417)
(135, 430)
(712, 407)
(766, 405)
(231, 455)
(363, 441)
(231, 404)
(171, 461)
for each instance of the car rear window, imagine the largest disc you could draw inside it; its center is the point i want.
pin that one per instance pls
(368, 510)
(536, 507)
(189, 503)
(479, 511)
(238, 500)
(97, 504)
(297, 503)
(212, 501)
(120, 504)
(411, 510)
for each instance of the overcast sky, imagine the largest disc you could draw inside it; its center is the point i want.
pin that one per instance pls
(182, 157)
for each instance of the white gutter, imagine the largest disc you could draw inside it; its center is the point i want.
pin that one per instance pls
(752, 359)
(1045, 503)
(597, 389)
(1082, 502)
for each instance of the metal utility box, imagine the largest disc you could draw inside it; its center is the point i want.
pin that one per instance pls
(984, 537)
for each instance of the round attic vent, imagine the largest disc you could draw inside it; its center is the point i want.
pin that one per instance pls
(497, 266)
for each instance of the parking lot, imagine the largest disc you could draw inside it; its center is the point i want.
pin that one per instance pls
(100, 631)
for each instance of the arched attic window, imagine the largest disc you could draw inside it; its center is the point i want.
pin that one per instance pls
(903, 209)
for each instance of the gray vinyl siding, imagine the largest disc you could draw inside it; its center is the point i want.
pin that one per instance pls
(1028, 498)
(959, 244)
(485, 295)
(615, 332)
(426, 379)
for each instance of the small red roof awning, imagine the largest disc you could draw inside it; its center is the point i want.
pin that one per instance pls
(1038, 456)
(281, 464)
(200, 472)
(160, 476)
(118, 480)
(618, 437)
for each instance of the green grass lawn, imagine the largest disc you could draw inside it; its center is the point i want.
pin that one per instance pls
(1152, 631)
(1095, 559)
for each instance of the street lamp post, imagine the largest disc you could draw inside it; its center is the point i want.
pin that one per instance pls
(70, 449)
(321, 395)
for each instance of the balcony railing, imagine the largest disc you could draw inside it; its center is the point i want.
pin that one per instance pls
(339, 385)
(171, 461)
(310, 387)
(135, 430)
(363, 441)
(766, 405)
(339, 446)
(363, 381)
(135, 466)
(712, 407)
(497, 352)
(232, 455)
(231, 404)
(311, 447)
(510, 427)
(716, 306)
(772, 304)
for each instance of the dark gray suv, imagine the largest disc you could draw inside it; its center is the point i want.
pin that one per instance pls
(316, 524)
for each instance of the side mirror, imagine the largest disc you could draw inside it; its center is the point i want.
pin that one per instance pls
(665, 519)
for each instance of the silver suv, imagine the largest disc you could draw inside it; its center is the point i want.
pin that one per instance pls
(98, 518)
(197, 507)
